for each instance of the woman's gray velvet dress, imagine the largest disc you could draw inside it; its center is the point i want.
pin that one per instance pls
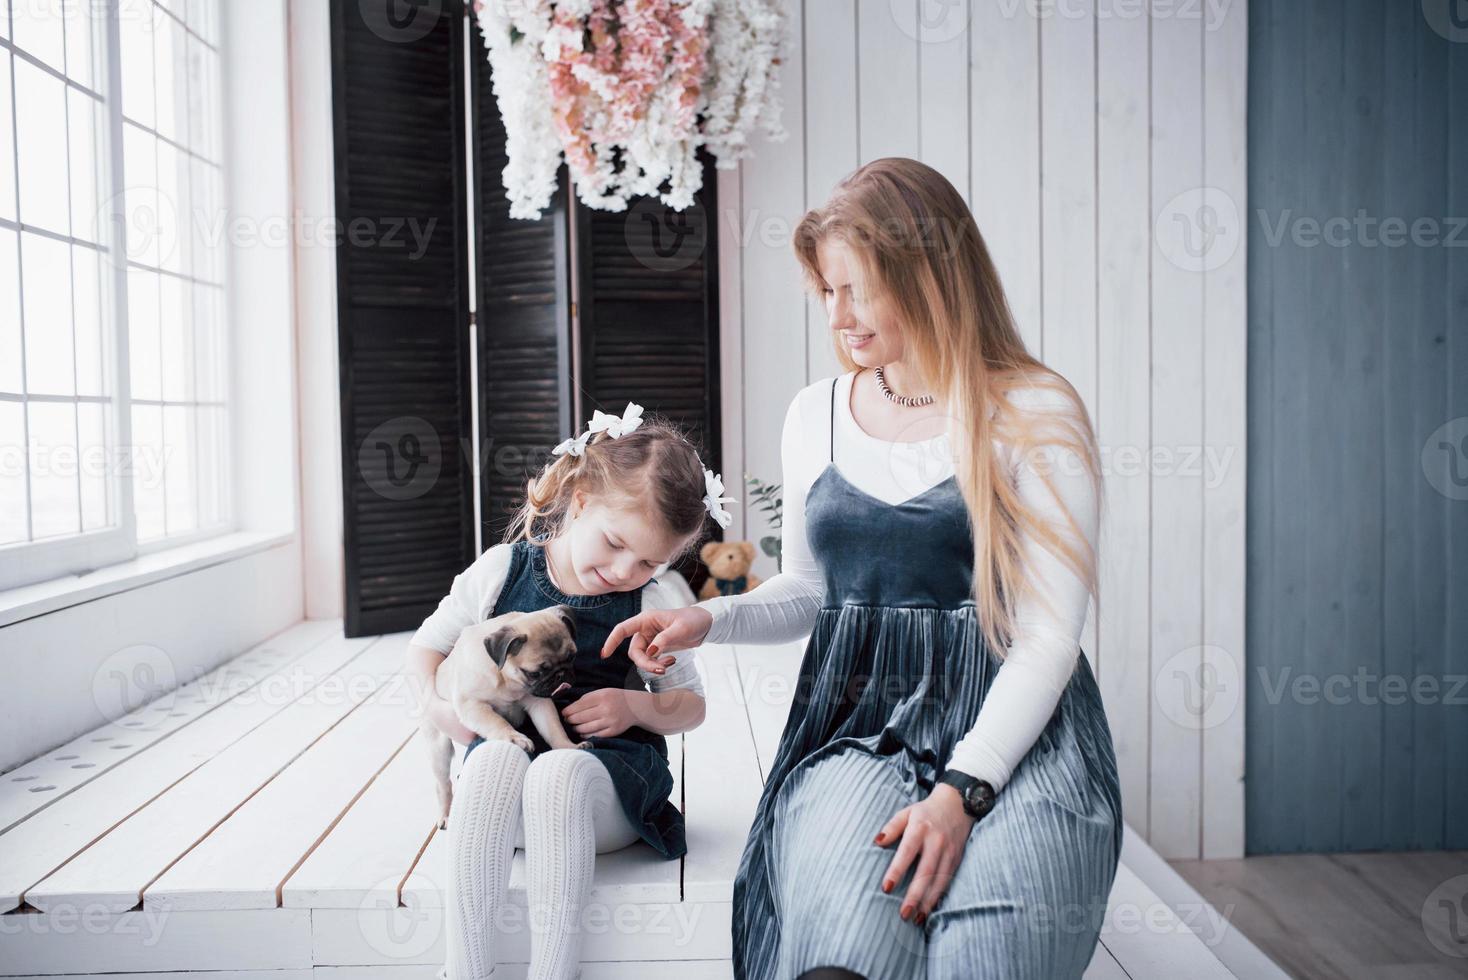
(893, 676)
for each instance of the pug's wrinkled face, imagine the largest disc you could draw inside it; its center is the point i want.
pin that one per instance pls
(537, 650)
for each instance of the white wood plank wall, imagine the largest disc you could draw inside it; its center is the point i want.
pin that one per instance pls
(1082, 133)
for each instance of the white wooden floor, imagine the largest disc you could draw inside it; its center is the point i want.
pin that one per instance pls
(275, 818)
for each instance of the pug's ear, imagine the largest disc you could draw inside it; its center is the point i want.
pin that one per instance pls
(568, 616)
(503, 643)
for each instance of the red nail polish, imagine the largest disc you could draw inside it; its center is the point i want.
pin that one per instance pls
(905, 910)
(922, 917)
(886, 886)
(877, 839)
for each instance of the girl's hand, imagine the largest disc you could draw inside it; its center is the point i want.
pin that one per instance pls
(606, 711)
(936, 831)
(660, 631)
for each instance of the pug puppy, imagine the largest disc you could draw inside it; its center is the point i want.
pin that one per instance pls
(498, 672)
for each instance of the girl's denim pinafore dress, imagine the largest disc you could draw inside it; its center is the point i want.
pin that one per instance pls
(893, 675)
(637, 759)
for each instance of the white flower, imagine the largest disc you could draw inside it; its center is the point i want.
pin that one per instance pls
(713, 485)
(575, 446)
(616, 427)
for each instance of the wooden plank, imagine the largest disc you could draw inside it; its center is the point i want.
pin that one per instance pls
(37, 784)
(1456, 364)
(36, 847)
(1225, 423)
(1147, 938)
(722, 784)
(773, 317)
(1103, 966)
(886, 83)
(144, 940)
(1401, 444)
(1068, 209)
(942, 33)
(767, 677)
(245, 860)
(1177, 428)
(1004, 140)
(370, 851)
(302, 973)
(1220, 929)
(830, 153)
(399, 936)
(1427, 326)
(1123, 351)
(112, 873)
(590, 970)
(1278, 434)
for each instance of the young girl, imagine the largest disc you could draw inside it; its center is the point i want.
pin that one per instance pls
(615, 506)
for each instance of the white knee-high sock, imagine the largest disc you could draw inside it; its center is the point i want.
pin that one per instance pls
(483, 823)
(571, 814)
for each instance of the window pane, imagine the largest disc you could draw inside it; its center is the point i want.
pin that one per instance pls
(12, 473)
(91, 351)
(144, 354)
(9, 312)
(84, 121)
(46, 274)
(213, 466)
(175, 309)
(140, 177)
(95, 468)
(37, 25)
(41, 131)
(148, 462)
(167, 77)
(82, 47)
(135, 25)
(178, 434)
(55, 503)
(208, 348)
(173, 183)
(207, 224)
(7, 141)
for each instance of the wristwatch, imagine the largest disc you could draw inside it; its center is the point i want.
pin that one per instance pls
(978, 795)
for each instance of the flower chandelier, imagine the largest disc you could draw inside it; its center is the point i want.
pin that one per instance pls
(626, 91)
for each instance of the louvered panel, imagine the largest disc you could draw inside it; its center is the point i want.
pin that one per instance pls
(523, 321)
(649, 317)
(403, 314)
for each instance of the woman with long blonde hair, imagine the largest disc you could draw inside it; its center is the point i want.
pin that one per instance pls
(941, 513)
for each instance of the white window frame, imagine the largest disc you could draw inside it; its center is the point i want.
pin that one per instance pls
(29, 562)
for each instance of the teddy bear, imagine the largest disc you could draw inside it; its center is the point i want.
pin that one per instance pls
(728, 564)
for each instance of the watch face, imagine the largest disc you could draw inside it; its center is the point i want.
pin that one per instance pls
(979, 798)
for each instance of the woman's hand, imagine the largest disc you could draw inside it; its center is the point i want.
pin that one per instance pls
(659, 631)
(606, 711)
(934, 831)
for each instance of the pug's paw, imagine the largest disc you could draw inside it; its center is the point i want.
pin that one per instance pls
(523, 741)
(582, 745)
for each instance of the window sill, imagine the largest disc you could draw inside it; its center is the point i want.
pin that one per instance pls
(28, 601)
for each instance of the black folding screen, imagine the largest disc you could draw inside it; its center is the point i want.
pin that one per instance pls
(631, 296)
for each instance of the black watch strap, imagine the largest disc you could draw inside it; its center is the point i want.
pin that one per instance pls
(978, 795)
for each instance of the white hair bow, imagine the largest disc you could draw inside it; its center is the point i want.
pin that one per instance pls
(630, 419)
(714, 486)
